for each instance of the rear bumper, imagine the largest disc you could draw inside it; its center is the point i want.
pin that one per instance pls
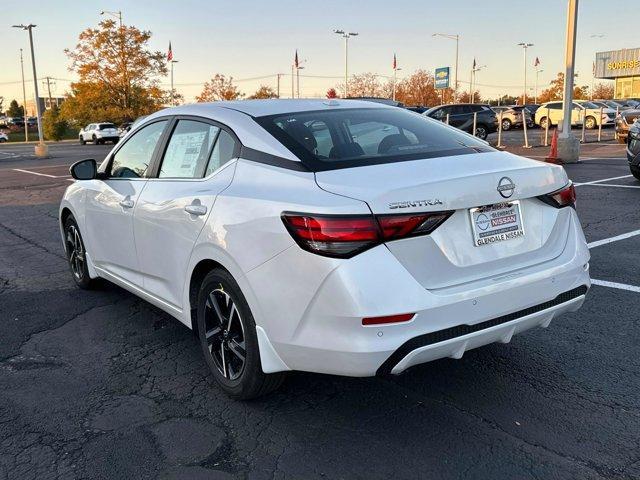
(316, 324)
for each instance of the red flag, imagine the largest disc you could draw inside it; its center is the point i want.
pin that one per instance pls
(295, 60)
(169, 53)
(395, 63)
(537, 62)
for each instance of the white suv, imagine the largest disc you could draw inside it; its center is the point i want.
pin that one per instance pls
(99, 133)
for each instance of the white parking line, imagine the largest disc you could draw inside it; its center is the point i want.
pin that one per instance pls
(610, 185)
(603, 180)
(40, 174)
(620, 286)
(604, 241)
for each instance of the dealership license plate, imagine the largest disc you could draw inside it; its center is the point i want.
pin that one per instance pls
(496, 223)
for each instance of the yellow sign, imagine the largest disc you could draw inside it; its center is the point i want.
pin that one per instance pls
(623, 64)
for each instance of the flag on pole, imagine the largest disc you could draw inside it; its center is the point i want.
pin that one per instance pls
(395, 63)
(295, 60)
(537, 62)
(474, 63)
(169, 53)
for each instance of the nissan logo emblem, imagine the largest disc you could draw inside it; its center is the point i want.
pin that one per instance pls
(506, 187)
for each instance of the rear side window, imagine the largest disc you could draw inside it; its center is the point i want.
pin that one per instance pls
(363, 136)
(554, 106)
(188, 150)
(223, 151)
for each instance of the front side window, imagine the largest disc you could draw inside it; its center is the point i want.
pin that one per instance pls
(188, 150)
(133, 158)
(362, 136)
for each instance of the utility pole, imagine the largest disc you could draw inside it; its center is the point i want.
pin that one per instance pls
(293, 95)
(41, 149)
(278, 88)
(48, 80)
(395, 76)
(525, 46)
(24, 101)
(568, 144)
(346, 36)
(538, 72)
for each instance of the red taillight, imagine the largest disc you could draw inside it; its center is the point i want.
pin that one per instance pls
(404, 317)
(344, 236)
(565, 197)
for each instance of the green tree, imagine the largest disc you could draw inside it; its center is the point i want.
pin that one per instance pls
(219, 88)
(119, 75)
(15, 110)
(264, 92)
(53, 125)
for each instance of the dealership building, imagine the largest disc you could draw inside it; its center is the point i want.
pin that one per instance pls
(623, 66)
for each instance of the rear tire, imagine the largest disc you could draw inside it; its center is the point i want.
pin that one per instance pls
(482, 132)
(635, 171)
(82, 140)
(590, 123)
(506, 124)
(228, 338)
(94, 140)
(543, 123)
(76, 254)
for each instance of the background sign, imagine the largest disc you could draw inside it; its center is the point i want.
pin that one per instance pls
(617, 63)
(442, 78)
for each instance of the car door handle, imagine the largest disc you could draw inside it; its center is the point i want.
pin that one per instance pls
(126, 203)
(196, 209)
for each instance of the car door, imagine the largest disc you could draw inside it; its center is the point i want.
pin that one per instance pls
(111, 201)
(85, 132)
(176, 202)
(461, 117)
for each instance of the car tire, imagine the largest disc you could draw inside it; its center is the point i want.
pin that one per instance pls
(76, 254)
(115, 141)
(590, 123)
(82, 140)
(2, 140)
(635, 171)
(506, 124)
(543, 123)
(482, 132)
(94, 140)
(228, 338)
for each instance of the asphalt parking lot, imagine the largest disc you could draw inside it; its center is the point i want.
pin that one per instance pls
(103, 385)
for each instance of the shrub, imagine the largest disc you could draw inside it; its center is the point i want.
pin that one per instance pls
(53, 126)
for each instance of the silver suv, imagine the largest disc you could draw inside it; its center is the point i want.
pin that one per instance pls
(512, 116)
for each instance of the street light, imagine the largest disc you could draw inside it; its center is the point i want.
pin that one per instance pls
(346, 36)
(117, 15)
(172, 90)
(457, 39)
(472, 93)
(538, 72)
(41, 148)
(525, 46)
(395, 80)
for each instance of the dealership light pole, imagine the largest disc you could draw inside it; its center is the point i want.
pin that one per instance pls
(457, 39)
(568, 144)
(24, 101)
(525, 46)
(41, 149)
(346, 36)
(117, 15)
(538, 72)
(472, 93)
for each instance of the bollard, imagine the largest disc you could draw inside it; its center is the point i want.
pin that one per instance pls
(546, 130)
(583, 115)
(600, 124)
(524, 129)
(447, 120)
(475, 120)
(615, 130)
(500, 130)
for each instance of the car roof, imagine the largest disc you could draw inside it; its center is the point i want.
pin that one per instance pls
(261, 108)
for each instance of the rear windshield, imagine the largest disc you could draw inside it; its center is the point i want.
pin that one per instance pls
(105, 126)
(329, 139)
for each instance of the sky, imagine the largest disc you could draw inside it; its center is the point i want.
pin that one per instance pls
(249, 39)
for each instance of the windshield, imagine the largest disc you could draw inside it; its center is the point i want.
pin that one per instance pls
(328, 139)
(105, 126)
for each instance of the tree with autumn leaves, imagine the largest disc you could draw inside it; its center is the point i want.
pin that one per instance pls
(118, 75)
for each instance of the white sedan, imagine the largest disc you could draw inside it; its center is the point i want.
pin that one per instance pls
(341, 237)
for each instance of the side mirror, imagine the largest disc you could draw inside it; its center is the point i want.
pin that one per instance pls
(84, 169)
